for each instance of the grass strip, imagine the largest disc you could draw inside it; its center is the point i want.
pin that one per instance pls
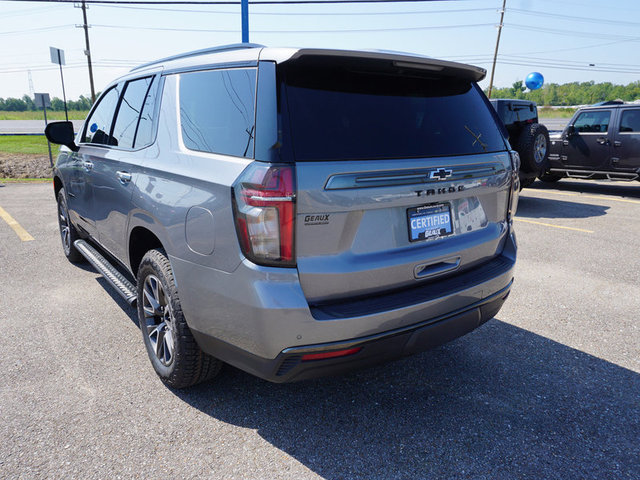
(26, 180)
(39, 115)
(29, 144)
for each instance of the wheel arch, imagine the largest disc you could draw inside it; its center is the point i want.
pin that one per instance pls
(57, 185)
(141, 240)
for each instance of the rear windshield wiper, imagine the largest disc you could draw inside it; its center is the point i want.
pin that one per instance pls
(477, 138)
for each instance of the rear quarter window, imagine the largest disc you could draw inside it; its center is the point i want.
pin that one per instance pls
(217, 111)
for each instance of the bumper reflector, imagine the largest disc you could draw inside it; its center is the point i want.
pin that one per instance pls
(326, 355)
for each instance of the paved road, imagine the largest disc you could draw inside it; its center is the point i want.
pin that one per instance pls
(37, 126)
(549, 389)
(28, 126)
(554, 123)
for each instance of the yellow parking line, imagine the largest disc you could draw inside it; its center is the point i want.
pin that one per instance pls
(21, 232)
(597, 197)
(554, 226)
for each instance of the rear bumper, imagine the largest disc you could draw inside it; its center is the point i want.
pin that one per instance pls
(258, 319)
(290, 365)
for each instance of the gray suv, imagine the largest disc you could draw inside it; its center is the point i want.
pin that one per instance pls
(292, 212)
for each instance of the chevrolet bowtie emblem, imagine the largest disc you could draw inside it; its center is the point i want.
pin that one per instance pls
(440, 174)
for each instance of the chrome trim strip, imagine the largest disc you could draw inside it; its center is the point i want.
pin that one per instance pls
(272, 199)
(344, 181)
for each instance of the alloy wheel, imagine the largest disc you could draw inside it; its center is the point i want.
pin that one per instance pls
(539, 149)
(159, 321)
(63, 222)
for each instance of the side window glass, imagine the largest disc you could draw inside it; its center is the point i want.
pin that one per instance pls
(124, 130)
(217, 111)
(98, 126)
(630, 121)
(595, 121)
(144, 135)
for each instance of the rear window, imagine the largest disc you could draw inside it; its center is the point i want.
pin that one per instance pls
(345, 114)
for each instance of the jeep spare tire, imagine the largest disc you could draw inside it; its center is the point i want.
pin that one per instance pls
(533, 146)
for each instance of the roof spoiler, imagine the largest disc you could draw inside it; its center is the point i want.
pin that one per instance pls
(399, 60)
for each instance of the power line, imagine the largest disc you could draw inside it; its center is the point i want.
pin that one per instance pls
(200, 30)
(253, 13)
(572, 33)
(34, 30)
(574, 18)
(232, 2)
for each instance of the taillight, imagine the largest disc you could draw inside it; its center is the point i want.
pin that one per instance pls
(515, 185)
(264, 208)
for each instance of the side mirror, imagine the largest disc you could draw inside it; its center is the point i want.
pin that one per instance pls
(62, 134)
(571, 131)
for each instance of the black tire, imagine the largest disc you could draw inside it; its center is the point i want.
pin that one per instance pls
(549, 177)
(533, 147)
(174, 353)
(68, 233)
(526, 182)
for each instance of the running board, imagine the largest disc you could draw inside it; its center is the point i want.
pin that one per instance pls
(124, 287)
(586, 174)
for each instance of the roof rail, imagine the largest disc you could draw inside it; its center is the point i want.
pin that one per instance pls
(608, 102)
(204, 51)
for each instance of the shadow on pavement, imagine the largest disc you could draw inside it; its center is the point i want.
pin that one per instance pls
(621, 189)
(126, 308)
(501, 402)
(534, 207)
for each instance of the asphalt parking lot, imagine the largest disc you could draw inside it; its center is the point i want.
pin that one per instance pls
(548, 389)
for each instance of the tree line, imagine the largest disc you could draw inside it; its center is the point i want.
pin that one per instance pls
(27, 103)
(575, 93)
(553, 94)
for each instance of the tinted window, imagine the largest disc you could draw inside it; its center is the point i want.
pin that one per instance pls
(630, 121)
(144, 136)
(217, 111)
(124, 130)
(98, 125)
(594, 121)
(342, 113)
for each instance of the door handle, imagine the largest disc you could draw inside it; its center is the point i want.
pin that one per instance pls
(603, 141)
(124, 177)
(427, 270)
(88, 166)
(617, 143)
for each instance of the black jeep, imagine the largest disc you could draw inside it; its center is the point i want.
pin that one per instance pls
(528, 137)
(601, 141)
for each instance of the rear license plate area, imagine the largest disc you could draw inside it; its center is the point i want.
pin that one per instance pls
(429, 222)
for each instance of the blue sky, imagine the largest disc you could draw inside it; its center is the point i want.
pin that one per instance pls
(565, 40)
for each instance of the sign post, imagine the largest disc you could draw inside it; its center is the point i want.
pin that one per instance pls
(42, 100)
(57, 56)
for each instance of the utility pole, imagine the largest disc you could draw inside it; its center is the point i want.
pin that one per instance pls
(495, 54)
(87, 51)
(244, 13)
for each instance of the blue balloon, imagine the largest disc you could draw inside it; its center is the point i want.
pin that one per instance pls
(534, 80)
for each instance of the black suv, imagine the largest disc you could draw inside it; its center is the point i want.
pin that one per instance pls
(600, 142)
(527, 137)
